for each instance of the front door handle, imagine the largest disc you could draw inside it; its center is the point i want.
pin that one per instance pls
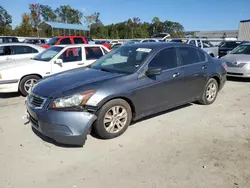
(176, 74)
(80, 63)
(204, 67)
(8, 58)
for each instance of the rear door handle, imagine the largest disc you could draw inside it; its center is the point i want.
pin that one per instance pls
(176, 74)
(80, 63)
(8, 58)
(204, 67)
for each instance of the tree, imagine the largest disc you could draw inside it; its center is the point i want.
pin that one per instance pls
(35, 12)
(155, 24)
(5, 21)
(175, 29)
(67, 14)
(48, 13)
(25, 28)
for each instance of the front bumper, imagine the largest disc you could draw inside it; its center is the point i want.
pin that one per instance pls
(7, 86)
(64, 127)
(238, 72)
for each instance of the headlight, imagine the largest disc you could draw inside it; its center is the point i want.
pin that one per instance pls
(73, 100)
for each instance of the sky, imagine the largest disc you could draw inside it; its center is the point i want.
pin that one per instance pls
(194, 15)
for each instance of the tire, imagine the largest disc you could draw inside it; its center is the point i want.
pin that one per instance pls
(104, 130)
(26, 79)
(205, 99)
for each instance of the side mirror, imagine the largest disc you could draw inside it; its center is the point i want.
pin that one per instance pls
(153, 71)
(58, 61)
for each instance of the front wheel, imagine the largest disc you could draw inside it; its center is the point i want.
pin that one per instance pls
(27, 83)
(113, 119)
(210, 93)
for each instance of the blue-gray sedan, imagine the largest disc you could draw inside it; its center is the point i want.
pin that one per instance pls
(128, 83)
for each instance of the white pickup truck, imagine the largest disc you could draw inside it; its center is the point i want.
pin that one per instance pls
(21, 75)
(201, 43)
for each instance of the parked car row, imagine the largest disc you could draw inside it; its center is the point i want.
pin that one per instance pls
(73, 89)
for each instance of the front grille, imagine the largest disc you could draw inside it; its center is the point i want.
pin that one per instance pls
(236, 65)
(33, 121)
(36, 100)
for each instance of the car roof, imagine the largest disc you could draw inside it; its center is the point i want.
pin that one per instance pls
(79, 45)
(21, 44)
(157, 44)
(16, 44)
(8, 37)
(71, 36)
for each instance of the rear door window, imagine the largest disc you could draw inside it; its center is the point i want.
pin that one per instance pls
(65, 41)
(5, 50)
(93, 53)
(188, 55)
(78, 40)
(192, 42)
(72, 55)
(23, 50)
(206, 44)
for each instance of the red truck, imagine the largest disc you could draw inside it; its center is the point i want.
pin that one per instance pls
(68, 40)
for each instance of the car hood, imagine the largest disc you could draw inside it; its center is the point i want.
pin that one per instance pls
(236, 58)
(65, 81)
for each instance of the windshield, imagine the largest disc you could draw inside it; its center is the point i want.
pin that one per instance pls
(229, 44)
(126, 59)
(53, 41)
(241, 49)
(48, 54)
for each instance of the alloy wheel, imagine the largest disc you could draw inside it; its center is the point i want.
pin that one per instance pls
(115, 119)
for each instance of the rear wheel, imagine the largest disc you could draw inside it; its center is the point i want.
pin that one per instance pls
(113, 119)
(27, 83)
(210, 93)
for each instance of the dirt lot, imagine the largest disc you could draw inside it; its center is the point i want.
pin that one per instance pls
(192, 147)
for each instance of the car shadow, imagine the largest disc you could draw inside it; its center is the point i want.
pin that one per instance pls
(51, 141)
(9, 95)
(150, 116)
(161, 113)
(234, 79)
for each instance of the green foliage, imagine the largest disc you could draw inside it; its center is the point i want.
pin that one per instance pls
(5, 21)
(131, 28)
(47, 13)
(66, 14)
(25, 28)
(35, 13)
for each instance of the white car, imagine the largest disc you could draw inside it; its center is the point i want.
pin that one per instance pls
(23, 75)
(16, 51)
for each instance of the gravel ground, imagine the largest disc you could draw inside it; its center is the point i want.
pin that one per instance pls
(191, 147)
